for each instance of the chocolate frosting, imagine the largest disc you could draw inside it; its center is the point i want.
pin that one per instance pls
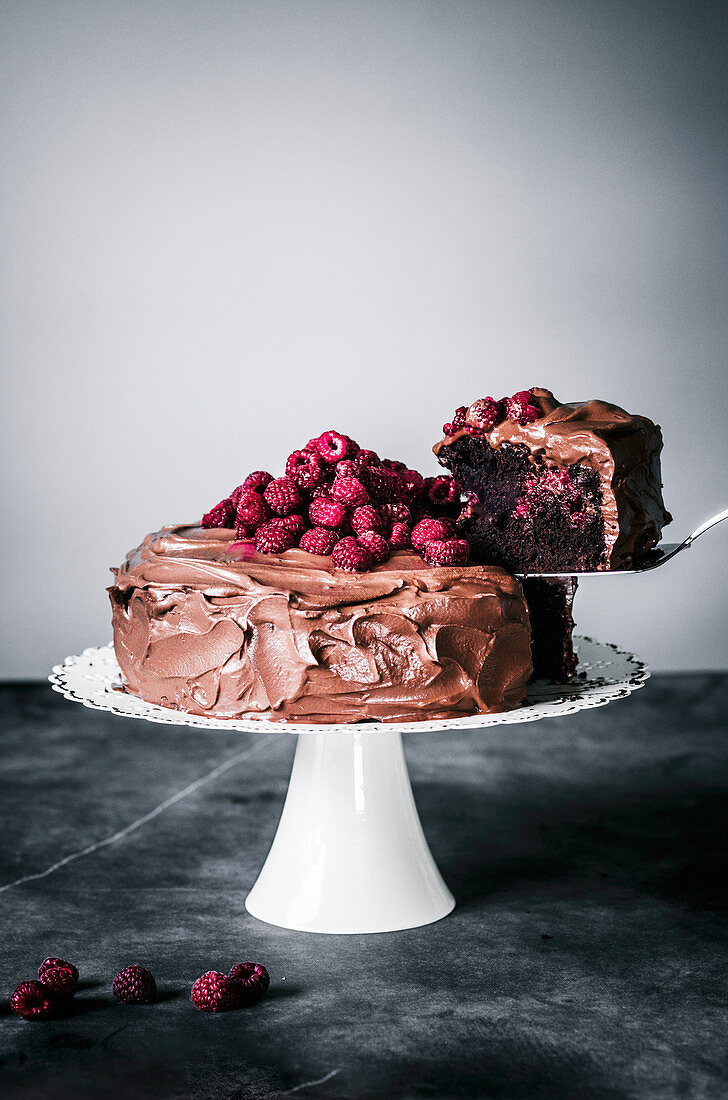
(207, 625)
(623, 448)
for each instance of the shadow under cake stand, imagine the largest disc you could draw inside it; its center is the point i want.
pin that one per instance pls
(349, 855)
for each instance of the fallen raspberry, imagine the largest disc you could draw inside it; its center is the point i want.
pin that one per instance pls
(274, 537)
(305, 469)
(324, 512)
(350, 556)
(134, 985)
(51, 961)
(484, 414)
(222, 515)
(257, 481)
(252, 980)
(350, 491)
(366, 519)
(34, 1001)
(215, 992)
(252, 511)
(375, 545)
(427, 530)
(282, 496)
(319, 540)
(332, 447)
(446, 552)
(399, 536)
(59, 980)
(521, 408)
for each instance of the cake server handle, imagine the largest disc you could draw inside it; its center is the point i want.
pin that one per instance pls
(705, 527)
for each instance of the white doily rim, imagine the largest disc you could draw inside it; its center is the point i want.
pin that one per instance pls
(605, 673)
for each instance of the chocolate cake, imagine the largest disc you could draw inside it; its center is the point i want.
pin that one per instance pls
(555, 487)
(207, 624)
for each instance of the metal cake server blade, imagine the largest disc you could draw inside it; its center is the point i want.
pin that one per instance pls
(653, 560)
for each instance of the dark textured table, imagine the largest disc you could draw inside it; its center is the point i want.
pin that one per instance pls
(586, 956)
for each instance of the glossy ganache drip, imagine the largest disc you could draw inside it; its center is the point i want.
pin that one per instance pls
(209, 626)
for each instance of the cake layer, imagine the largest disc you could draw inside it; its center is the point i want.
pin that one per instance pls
(207, 625)
(612, 459)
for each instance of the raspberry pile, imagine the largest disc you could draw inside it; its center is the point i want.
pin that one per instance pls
(336, 498)
(50, 995)
(486, 413)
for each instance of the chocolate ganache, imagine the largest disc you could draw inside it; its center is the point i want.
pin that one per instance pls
(622, 448)
(208, 625)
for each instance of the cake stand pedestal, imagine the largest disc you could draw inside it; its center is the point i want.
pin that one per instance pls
(349, 855)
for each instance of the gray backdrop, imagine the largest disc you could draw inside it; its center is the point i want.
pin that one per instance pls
(229, 226)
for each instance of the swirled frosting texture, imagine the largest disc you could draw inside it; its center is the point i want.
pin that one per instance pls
(209, 626)
(623, 448)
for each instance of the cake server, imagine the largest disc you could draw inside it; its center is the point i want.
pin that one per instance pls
(655, 558)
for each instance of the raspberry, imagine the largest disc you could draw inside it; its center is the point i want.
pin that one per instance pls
(34, 1001)
(368, 459)
(294, 523)
(394, 465)
(332, 447)
(346, 468)
(484, 414)
(521, 409)
(252, 511)
(460, 417)
(134, 985)
(274, 537)
(51, 961)
(215, 992)
(349, 555)
(60, 981)
(353, 446)
(427, 530)
(324, 512)
(384, 484)
(319, 540)
(349, 490)
(457, 422)
(446, 552)
(305, 469)
(375, 545)
(252, 980)
(222, 515)
(412, 484)
(442, 490)
(395, 513)
(282, 495)
(366, 519)
(399, 536)
(257, 481)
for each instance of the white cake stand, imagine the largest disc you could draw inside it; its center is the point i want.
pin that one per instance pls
(349, 855)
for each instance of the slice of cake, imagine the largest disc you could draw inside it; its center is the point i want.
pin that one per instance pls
(210, 625)
(550, 602)
(555, 487)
